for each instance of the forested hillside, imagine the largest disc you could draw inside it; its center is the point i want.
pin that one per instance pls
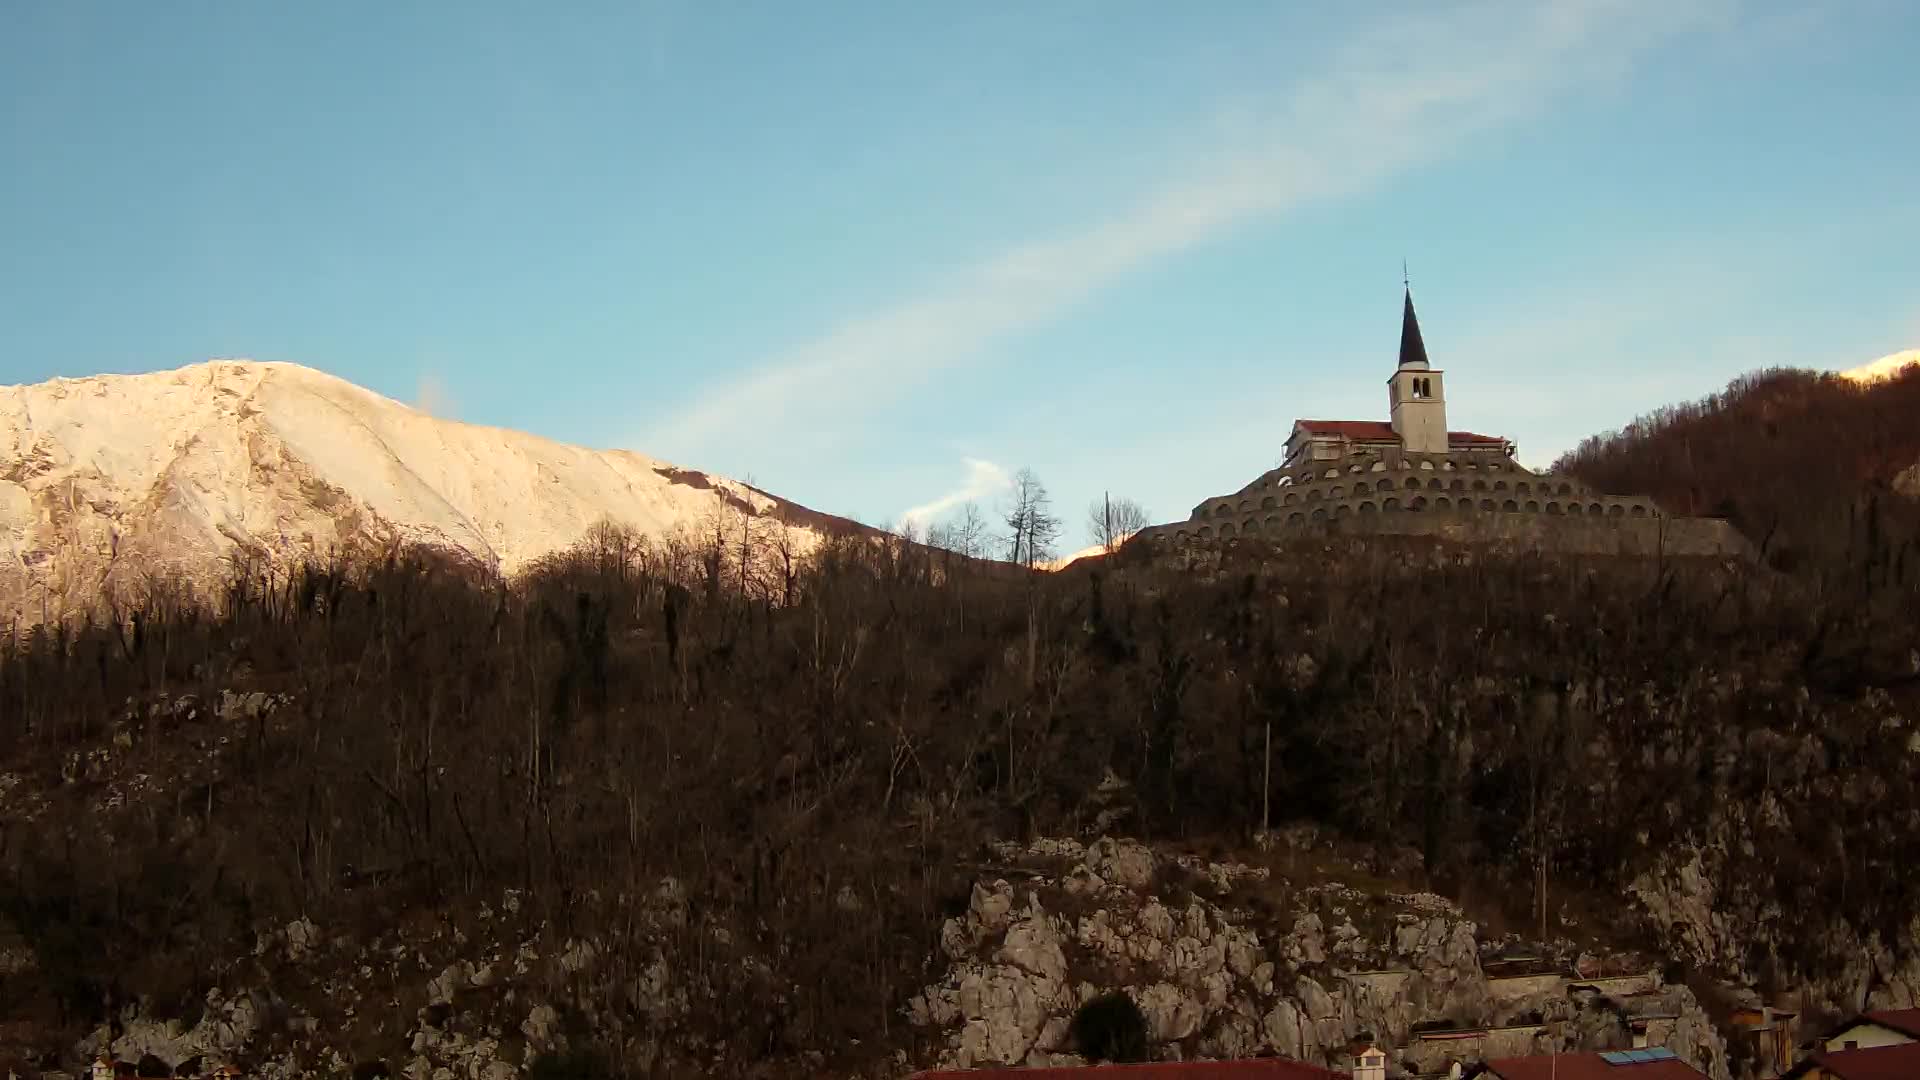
(809, 755)
(1803, 462)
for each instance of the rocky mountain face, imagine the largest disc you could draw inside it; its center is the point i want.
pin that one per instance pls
(114, 486)
(1711, 918)
(1220, 970)
(484, 1002)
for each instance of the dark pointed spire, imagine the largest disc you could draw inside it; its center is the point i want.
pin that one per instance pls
(1413, 351)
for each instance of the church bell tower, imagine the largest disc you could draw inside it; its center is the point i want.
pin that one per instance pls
(1416, 393)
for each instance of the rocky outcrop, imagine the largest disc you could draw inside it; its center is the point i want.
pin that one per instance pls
(1215, 980)
(1908, 482)
(486, 1002)
(225, 1031)
(1866, 969)
(1679, 899)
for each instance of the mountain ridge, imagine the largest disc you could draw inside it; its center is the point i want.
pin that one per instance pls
(113, 477)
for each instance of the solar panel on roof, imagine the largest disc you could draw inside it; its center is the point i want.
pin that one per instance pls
(1637, 1057)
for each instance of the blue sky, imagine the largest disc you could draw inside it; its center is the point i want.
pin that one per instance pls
(874, 255)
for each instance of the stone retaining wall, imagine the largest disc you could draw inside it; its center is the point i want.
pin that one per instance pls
(1646, 536)
(1451, 498)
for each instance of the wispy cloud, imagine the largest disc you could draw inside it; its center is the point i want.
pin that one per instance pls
(1396, 95)
(984, 479)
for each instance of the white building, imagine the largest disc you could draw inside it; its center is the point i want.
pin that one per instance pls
(1887, 1027)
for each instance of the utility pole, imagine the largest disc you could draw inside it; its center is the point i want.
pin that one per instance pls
(1266, 781)
(1543, 898)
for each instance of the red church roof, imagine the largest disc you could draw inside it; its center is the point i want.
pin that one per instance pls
(1256, 1069)
(1382, 431)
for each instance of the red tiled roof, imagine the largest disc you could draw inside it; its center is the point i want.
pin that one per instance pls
(1380, 431)
(1905, 1021)
(1588, 1065)
(1358, 430)
(1900, 1062)
(1472, 437)
(1257, 1069)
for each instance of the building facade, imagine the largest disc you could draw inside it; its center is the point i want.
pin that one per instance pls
(1868, 1031)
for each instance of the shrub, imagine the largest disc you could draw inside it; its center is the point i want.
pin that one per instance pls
(571, 1065)
(1111, 1028)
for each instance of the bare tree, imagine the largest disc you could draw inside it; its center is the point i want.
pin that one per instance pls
(785, 555)
(1031, 525)
(1113, 520)
(970, 530)
(964, 533)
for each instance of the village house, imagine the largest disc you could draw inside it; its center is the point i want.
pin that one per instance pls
(1878, 1045)
(1767, 1035)
(1887, 1027)
(1900, 1061)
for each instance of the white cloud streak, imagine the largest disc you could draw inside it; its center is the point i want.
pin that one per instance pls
(984, 479)
(1392, 98)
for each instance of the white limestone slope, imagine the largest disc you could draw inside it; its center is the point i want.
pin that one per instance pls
(107, 480)
(1884, 368)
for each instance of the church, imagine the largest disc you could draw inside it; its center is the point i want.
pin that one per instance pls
(1417, 411)
(1412, 474)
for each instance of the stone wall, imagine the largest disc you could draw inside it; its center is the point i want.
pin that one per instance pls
(1574, 536)
(1619, 986)
(1455, 497)
(1514, 987)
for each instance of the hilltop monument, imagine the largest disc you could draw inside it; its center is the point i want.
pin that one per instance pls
(1412, 475)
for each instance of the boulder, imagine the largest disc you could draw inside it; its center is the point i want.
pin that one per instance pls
(1126, 863)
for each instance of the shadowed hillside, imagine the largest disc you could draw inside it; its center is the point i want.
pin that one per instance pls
(814, 764)
(700, 807)
(1803, 462)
